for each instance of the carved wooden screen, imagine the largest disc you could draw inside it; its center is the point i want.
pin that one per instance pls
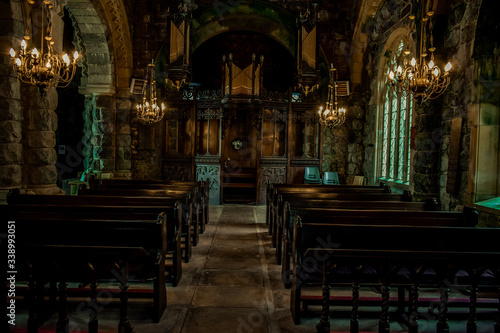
(208, 132)
(305, 131)
(274, 123)
(177, 132)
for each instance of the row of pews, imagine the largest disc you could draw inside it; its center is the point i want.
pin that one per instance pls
(128, 231)
(354, 236)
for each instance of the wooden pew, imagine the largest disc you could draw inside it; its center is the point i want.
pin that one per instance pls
(286, 211)
(284, 234)
(173, 208)
(87, 250)
(188, 195)
(203, 193)
(273, 190)
(368, 231)
(378, 216)
(343, 194)
(333, 248)
(278, 193)
(56, 211)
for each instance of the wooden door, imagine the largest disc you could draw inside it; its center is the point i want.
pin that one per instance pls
(239, 159)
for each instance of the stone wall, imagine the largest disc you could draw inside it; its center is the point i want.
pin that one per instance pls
(388, 19)
(39, 126)
(343, 149)
(103, 127)
(27, 125)
(123, 136)
(458, 100)
(11, 149)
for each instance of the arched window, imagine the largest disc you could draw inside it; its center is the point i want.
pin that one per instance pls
(395, 120)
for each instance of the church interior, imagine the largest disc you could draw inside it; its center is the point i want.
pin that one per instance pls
(254, 137)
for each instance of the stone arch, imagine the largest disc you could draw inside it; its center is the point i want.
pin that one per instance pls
(103, 35)
(399, 33)
(360, 38)
(264, 18)
(97, 71)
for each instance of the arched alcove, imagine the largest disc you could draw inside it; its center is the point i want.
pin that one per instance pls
(255, 16)
(278, 66)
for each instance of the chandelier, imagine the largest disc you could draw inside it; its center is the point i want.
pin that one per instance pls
(331, 115)
(149, 110)
(43, 68)
(424, 79)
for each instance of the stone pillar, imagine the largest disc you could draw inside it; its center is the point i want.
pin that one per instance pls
(11, 149)
(123, 161)
(88, 151)
(40, 123)
(427, 146)
(103, 139)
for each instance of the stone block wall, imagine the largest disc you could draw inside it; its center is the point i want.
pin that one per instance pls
(123, 136)
(343, 148)
(386, 21)
(39, 126)
(103, 127)
(458, 100)
(11, 149)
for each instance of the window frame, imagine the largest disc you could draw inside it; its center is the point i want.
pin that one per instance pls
(388, 165)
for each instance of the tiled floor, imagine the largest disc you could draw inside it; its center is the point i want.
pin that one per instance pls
(231, 284)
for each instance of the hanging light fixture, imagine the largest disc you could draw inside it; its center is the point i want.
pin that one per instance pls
(43, 68)
(424, 79)
(149, 110)
(331, 115)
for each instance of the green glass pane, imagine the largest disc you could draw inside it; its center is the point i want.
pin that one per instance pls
(402, 137)
(385, 136)
(410, 113)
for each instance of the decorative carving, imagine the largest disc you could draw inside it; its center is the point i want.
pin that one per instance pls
(273, 175)
(187, 94)
(81, 45)
(304, 162)
(209, 94)
(176, 172)
(274, 161)
(275, 96)
(178, 114)
(274, 115)
(119, 30)
(307, 117)
(208, 104)
(206, 160)
(210, 173)
(209, 114)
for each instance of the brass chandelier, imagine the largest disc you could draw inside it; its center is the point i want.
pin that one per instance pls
(424, 79)
(332, 115)
(149, 110)
(43, 68)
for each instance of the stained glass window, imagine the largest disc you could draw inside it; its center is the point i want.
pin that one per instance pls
(394, 161)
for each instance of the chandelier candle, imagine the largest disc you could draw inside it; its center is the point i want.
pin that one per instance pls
(423, 79)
